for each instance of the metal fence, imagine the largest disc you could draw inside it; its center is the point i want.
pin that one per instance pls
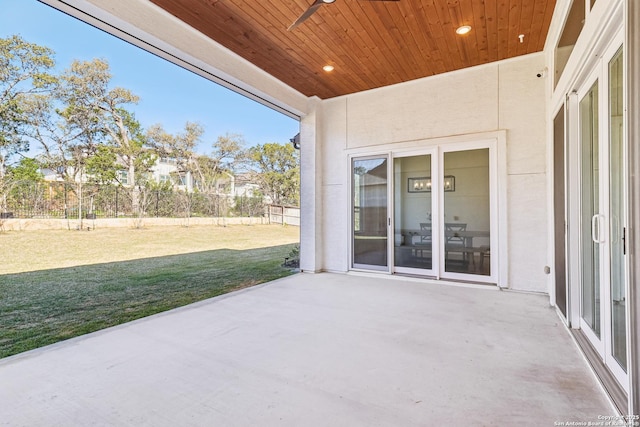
(28, 199)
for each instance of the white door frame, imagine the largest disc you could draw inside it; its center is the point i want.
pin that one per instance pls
(498, 175)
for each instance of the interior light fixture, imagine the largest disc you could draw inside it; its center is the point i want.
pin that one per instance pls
(328, 68)
(463, 30)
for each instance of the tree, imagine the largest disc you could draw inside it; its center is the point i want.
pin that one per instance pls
(82, 116)
(27, 169)
(181, 147)
(227, 158)
(206, 172)
(25, 174)
(25, 190)
(93, 106)
(24, 71)
(277, 170)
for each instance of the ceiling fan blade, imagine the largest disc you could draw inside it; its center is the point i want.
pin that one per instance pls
(310, 11)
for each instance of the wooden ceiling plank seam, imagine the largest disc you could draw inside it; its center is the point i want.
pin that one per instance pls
(438, 27)
(526, 19)
(277, 36)
(456, 19)
(274, 65)
(514, 22)
(437, 30)
(420, 28)
(407, 39)
(375, 62)
(380, 41)
(482, 30)
(449, 17)
(474, 39)
(331, 30)
(428, 35)
(369, 61)
(503, 29)
(548, 9)
(537, 23)
(491, 18)
(380, 18)
(339, 55)
(300, 58)
(195, 22)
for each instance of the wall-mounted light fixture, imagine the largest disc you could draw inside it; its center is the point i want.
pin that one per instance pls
(423, 184)
(295, 141)
(419, 185)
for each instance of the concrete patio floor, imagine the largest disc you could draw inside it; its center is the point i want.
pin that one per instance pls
(316, 350)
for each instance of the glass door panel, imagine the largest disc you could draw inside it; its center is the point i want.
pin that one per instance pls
(591, 224)
(616, 212)
(559, 201)
(413, 233)
(369, 216)
(465, 228)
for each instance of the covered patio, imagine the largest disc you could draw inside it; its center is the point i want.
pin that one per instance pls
(317, 349)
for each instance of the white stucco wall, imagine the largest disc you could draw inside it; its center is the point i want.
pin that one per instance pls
(501, 96)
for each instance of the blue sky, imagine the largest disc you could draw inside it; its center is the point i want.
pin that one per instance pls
(168, 94)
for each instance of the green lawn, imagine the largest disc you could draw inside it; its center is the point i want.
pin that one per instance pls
(58, 284)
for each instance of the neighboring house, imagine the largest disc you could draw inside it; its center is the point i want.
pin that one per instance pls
(166, 170)
(513, 151)
(244, 185)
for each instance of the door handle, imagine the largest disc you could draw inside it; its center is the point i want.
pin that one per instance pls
(596, 228)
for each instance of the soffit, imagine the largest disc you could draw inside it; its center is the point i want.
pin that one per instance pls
(370, 43)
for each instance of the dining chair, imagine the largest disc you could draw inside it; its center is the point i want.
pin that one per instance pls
(455, 243)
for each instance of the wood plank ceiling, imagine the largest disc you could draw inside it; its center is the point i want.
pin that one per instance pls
(370, 43)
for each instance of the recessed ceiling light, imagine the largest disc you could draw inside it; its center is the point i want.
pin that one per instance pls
(328, 68)
(463, 30)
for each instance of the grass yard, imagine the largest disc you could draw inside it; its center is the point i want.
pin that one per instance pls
(59, 284)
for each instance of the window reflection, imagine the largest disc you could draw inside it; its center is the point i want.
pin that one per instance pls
(570, 33)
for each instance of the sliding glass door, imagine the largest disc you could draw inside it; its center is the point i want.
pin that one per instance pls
(369, 213)
(414, 212)
(592, 232)
(602, 207)
(443, 212)
(617, 209)
(467, 211)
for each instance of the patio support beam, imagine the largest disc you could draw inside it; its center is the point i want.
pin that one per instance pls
(311, 189)
(633, 132)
